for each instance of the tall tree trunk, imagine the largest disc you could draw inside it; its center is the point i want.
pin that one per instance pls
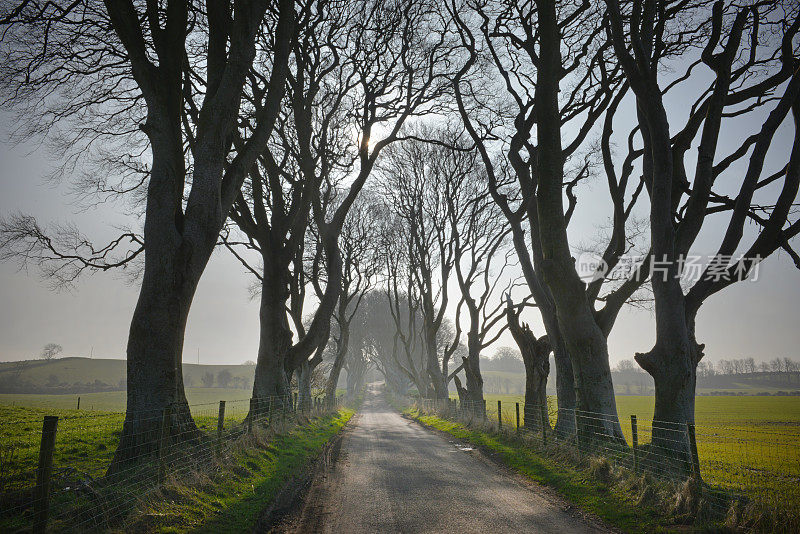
(179, 241)
(584, 340)
(437, 380)
(338, 363)
(472, 370)
(672, 363)
(536, 357)
(304, 386)
(596, 406)
(565, 379)
(537, 367)
(155, 380)
(275, 339)
(354, 377)
(174, 260)
(565, 390)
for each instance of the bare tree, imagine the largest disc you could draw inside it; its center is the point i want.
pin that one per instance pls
(536, 357)
(480, 236)
(752, 56)
(50, 351)
(556, 81)
(359, 70)
(421, 182)
(359, 244)
(178, 71)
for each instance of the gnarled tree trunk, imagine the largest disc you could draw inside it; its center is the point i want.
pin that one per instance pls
(338, 364)
(303, 373)
(536, 357)
(155, 380)
(275, 339)
(565, 390)
(585, 342)
(473, 394)
(437, 379)
(175, 257)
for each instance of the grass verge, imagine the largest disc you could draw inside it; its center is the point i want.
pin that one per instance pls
(629, 505)
(249, 479)
(204, 491)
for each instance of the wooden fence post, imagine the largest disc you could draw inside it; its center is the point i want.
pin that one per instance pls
(485, 410)
(220, 424)
(499, 415)
(517, 416)
(41, 502)
(693, 450)
(163, 443)
(79, 404)
(635, 436)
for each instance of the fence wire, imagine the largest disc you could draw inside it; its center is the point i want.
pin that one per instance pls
(84, 495)
(731, 465)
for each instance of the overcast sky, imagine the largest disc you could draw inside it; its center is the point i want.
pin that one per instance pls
(752, 319)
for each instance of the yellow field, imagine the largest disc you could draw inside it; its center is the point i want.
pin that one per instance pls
(750, 444)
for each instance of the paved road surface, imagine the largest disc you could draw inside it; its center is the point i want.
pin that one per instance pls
(394, 476)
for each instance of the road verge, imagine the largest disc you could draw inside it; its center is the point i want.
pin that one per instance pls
(592, 485)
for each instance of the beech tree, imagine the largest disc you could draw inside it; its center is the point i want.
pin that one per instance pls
(359, 72)
(274, 210)
(536, 358)
(481, 257)
(751, 53)
(175, 71)
(359, 244)
(556, 81)
(421, 182)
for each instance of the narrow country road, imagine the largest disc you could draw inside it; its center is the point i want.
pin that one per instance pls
(392, 475)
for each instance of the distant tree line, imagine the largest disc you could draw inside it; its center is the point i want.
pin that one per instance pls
(738, 366)
(748, 366)
(55, 386)
(13, 381)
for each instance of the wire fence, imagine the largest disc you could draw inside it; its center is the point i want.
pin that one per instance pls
(726, 467)
(86, 472)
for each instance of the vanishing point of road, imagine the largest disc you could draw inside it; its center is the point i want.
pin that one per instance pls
(392, 475)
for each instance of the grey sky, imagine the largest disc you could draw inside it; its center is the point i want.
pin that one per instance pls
(757, 319)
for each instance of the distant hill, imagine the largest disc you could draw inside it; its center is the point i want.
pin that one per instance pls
(84, 375)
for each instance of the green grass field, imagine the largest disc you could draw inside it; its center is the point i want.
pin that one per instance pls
(745, 443)
(86, 438)
(228, 498)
